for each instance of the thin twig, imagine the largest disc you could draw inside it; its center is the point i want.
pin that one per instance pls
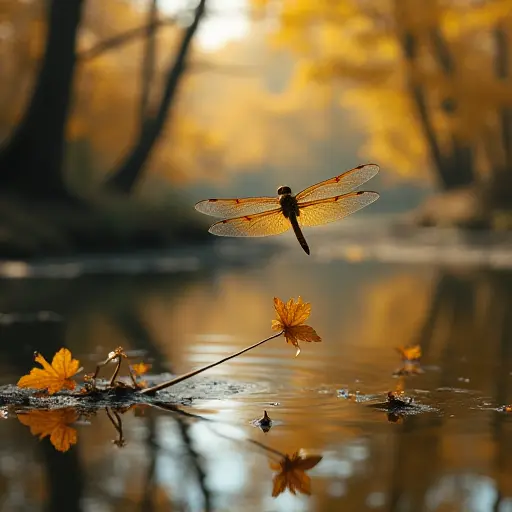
(120, 39)
(116, 371)
(193, 373)
(100, 365)
(118, 425)
(133, 377)
(148, 61)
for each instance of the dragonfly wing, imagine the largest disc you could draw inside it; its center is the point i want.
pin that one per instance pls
(339, 185)
(316, 213)
(225, 208)
(261, 224)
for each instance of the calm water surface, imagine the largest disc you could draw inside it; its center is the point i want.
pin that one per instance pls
(457, 457)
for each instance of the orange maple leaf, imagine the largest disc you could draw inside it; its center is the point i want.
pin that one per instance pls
(290, 319)
(291, 474)
(52, 377)
(140, 368)
(54, 423)
(410, 353)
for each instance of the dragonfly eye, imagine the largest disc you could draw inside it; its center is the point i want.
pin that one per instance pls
(284, 190)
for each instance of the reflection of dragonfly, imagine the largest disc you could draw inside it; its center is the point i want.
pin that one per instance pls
(325, 202)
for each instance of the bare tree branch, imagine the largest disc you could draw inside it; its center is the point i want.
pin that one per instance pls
(148, 63)
(121, 39)
(125, 177)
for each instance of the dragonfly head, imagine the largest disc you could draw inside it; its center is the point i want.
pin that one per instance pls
(284, 190)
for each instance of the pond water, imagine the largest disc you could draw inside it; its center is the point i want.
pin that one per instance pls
(454, 455)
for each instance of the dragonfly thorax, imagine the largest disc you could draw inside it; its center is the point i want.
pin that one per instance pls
(288, 203)
(284, 190)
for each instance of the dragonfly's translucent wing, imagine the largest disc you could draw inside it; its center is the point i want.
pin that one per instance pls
(316, 213)
(261, 224)
(339, 185)
(225, 208)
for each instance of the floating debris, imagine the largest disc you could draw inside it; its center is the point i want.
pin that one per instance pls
(264, 423)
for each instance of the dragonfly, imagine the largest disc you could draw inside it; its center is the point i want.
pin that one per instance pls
(325, 202)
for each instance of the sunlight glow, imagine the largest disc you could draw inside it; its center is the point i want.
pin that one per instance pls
(226, 20)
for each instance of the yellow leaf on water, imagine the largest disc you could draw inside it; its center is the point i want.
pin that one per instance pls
(140, 368)
(410, 353)
(54, 423)
(52, 377)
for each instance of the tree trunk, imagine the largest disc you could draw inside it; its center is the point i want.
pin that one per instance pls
(454, 169)
(501, 180)
(148, 62)
(31, 161)
(460, 163)
(127, 174)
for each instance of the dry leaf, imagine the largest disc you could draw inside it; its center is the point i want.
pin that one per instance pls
(291, 474)
(290, 319)
(140, 368)
(53, 423)
(52, 377)
(410, 353)
(398, 400)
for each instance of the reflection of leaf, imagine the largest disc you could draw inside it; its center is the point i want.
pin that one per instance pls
(411, 356)
(52, 377)
(409, 368)
(291, 317)
(291, 474)
(400, 387)
(54, 424)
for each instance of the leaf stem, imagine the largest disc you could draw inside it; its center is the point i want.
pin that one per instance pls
(267, 448)
(116, 371)
(193, 373)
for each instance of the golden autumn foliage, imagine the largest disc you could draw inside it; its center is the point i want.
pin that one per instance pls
(292, 474)
(54, 377)
(105, 118)
(229, 118)
(290, 319)
(403, 295)
(53, 423)
(429, 81)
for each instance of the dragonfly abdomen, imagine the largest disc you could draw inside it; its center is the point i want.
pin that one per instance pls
(298, 233)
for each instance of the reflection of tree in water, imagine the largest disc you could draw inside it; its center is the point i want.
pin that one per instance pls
(152, 496)
(468, 330)
(465, 332)
(77, 301)
(80, 303)
(64, 478)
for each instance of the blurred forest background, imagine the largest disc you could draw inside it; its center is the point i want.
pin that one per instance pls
(117, 115)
